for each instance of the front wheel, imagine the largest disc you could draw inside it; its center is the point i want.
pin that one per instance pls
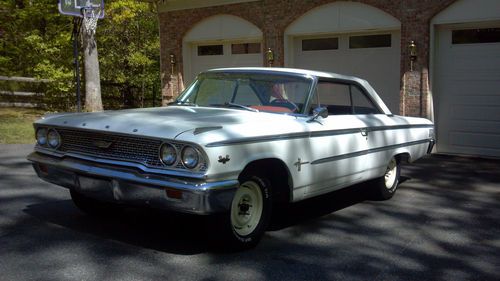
(250, 212)
(386, 186)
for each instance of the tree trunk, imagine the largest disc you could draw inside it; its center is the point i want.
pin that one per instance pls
(93, 101)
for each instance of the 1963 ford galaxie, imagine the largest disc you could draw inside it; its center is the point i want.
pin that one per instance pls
(237, 142)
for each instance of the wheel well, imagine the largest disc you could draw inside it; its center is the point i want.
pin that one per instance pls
(403, 157)
(276, 172)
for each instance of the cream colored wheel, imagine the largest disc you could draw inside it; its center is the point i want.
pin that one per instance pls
(247, 208)
(391, 174)
(386, 185)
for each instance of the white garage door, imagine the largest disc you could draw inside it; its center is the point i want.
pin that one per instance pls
(467, 89)
(229, 54)
(374, 57)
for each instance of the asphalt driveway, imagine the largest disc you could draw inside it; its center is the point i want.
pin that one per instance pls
(443, 224)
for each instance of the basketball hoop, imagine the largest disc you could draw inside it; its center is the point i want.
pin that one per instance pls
(90, 17)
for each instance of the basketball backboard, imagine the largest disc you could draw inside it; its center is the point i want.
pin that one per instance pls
(74, 7)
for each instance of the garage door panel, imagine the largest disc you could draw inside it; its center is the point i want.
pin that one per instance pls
(380, 66)
(478, 113)
(467, 91)
(472, 98)
(480, 87)
(475, 125)
(246, 60)
(223, 58)
(471, 140)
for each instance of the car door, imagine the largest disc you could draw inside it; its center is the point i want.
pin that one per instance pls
(339, 143)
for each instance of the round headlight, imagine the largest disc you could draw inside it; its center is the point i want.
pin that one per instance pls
(190, 157)
(168, 154)
(53, 138)
(41, 136)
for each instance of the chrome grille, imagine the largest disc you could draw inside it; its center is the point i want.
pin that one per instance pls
(123, 148)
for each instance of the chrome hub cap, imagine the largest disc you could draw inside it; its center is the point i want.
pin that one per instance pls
(246, 208)
(391, 173)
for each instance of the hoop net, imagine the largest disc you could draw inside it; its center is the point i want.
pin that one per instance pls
(90, 18)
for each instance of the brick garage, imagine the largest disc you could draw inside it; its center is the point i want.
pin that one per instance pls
(274, 18)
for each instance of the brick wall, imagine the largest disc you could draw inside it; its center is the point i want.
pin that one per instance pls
(274, 16)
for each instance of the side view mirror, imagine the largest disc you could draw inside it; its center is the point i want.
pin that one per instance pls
(319, 112)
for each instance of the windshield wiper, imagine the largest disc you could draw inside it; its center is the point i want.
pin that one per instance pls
(179, 102)
(231, 104)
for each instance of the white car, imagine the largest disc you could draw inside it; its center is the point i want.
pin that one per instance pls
(238, 142)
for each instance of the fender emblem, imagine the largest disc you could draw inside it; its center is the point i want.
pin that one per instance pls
(102, 144)
(299, 164)
(224, 160)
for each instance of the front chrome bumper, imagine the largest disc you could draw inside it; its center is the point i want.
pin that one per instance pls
(129, 186)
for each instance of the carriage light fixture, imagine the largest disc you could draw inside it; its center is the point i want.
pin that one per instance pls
(54, 139)
(190, 157)
(413, 50)
(172, 63)
(168, 154)
(270, 57)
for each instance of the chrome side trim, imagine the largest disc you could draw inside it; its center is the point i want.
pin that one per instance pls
(258, 139)
(368, 151)
(312, 134)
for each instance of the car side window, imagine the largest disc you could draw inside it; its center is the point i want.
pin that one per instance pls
(335, 97)
(342, 98)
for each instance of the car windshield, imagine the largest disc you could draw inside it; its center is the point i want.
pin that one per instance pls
(248, 91)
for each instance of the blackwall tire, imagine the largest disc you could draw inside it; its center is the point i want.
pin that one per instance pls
(249, 214)
(386, 186)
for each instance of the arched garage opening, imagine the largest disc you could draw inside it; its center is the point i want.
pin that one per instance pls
(221, 41)
(466, 77)
(349, 38)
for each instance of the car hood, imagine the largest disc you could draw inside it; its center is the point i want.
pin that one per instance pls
(164, 122)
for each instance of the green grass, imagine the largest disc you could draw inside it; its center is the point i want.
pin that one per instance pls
(16, 124)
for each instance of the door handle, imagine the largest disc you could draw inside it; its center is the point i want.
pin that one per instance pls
(364, 132)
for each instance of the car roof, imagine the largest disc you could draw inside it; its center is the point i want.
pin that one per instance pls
(302, 72)
(283, 70)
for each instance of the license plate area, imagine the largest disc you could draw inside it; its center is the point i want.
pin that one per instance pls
(99, 187)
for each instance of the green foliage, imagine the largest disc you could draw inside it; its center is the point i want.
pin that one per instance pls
(36, 42)
(16, 124)
(128, 44)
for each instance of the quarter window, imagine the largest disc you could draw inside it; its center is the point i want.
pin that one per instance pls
(370, 41)
(343, 98)
(475, 36)
(210, 50)
(361, 103)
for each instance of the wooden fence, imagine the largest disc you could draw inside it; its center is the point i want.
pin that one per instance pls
(18, 97)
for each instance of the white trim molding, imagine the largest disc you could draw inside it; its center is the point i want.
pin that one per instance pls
(175, 5)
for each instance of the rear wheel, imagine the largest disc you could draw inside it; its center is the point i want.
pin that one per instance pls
(387, 184)
(250, 213)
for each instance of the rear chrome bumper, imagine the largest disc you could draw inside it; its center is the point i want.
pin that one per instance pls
(129, 186)
(432, 142)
